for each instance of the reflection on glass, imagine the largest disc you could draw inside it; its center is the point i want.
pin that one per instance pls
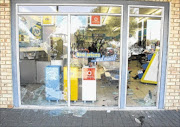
(143, 61)
(43, 54)
(37, 9)
(95, 51)
(89, 9)
(146, 11)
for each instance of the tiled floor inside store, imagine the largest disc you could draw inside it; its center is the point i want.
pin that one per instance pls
(138, 92)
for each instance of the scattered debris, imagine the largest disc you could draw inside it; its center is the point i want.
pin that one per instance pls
(35, 110)
(150, 94)
(116, 98)
(130, 93)
(108, 111)
(60, 112)
(23, 92)
(140, 120)
(102, 86)
(78, 113)
(150, 98)
(137, 88)
(115, 93)
(57, 112)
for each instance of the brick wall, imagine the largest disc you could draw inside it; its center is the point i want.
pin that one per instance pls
(172, 97)
(6, 97)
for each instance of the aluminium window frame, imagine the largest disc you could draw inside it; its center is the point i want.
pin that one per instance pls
(69, 17)
(123, 51)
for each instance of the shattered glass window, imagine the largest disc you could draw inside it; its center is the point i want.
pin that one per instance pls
(95, 53)
(94, 59)
(143, 61)
(43, 56)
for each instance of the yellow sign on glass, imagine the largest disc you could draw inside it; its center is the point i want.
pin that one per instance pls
(47, 20)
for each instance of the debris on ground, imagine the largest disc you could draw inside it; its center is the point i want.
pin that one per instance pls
(108, 111)
(115, 93)
(116, 98)
(65, 111)
(140, 120)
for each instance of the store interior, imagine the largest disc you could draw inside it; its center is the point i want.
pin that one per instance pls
(94, 58)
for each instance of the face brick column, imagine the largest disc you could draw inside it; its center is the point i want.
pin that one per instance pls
(172, 98)
(6, 92)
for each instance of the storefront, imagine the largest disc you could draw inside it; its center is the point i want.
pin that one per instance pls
(95, 54)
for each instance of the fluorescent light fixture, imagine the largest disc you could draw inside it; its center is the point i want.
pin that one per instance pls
(153, 13)
(116, 28)
(106, 16)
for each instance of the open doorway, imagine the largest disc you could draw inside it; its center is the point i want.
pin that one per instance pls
(95, 54)
(143, 57)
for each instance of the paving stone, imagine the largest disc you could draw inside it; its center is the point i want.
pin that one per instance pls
(117, 114)
(175, 113)
(103, 114)
(96, 115)
(120, 123)
(97, 122)
(87, 122)
(107, 122)
(41, 118)
(170, 118)
(88, 115)
(110, 115)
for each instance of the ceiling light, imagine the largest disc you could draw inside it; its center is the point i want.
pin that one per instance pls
(106, 16)
(116, 28)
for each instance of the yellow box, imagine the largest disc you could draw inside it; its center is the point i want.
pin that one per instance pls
(74, 83)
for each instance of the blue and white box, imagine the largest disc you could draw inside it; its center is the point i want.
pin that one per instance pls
(52, 78)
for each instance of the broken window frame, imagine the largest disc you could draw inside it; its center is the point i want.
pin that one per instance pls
(123, 64)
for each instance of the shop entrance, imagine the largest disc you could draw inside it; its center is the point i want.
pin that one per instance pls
(70, 59)
(95, 55)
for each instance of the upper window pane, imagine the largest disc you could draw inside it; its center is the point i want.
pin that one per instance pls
(146, 11)
(89, 9)
(37, 9)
